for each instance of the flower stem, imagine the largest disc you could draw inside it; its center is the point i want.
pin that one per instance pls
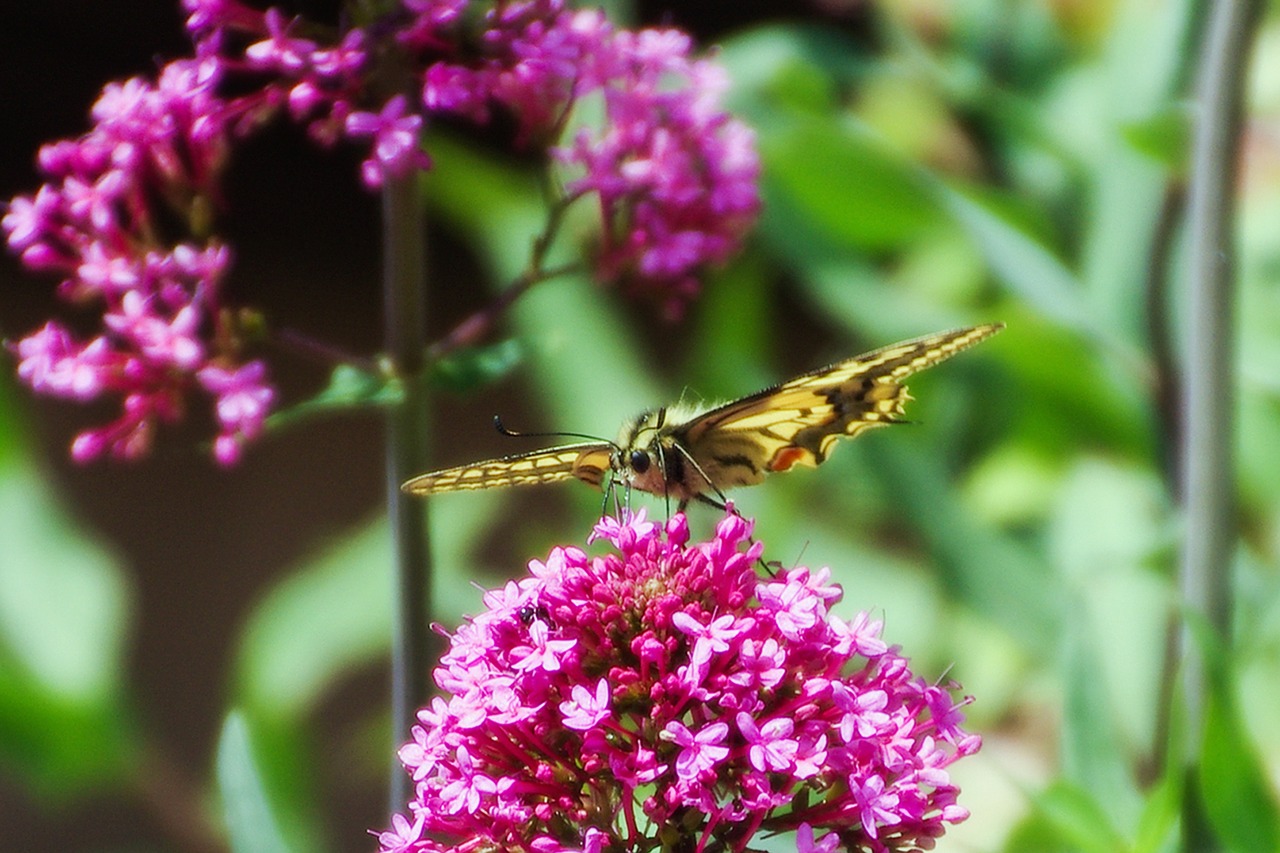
(474, 327)
(404, 293)
(1209, 393)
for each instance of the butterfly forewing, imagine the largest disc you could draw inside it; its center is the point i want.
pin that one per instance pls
(586, 462)
(798, 421)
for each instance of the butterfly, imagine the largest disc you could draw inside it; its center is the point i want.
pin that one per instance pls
(690, 454)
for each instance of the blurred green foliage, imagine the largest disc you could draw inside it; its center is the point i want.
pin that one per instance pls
(961, 163)
(64, 606)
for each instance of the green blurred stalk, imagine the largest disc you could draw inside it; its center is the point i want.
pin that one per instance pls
(1208, 402)
(404, 301)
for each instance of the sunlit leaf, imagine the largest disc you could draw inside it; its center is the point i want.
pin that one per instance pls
(845, 185)
(251, 824)
(474, 367)
(1158, 825)
(350, 387)
(1164, 136)
(1107, 527)
(1092, 755)
(320, 622)
(795, 69)
(63, 601)
(1233, 786)
(996, 575)
(1025, 264)
(64, 612)
(333, 615)
(1079, 818)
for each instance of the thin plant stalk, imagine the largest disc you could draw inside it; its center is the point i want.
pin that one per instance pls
(404, 298)
(1209, 394)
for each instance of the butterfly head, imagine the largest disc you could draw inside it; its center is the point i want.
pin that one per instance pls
(636, 456)
(648, 456)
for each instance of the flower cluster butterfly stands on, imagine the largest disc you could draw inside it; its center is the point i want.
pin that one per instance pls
(661, 696)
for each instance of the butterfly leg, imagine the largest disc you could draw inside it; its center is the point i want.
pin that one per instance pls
(720, 504)
(725, 506)
(608, 494)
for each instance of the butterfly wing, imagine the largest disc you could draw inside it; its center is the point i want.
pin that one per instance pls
(797, 422)
(587, 462)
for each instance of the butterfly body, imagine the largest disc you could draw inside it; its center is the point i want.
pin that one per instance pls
(690, 454)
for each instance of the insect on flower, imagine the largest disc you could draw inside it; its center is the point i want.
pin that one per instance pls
(689, 454)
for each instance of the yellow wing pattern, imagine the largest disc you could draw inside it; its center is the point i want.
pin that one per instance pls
(587, 462)
(797, 422)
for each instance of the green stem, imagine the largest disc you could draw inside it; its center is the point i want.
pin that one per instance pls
(1209, 393)
(475, 327)
(404, 293)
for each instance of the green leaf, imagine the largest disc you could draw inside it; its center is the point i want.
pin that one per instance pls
(11, 434)
(799, 69)
(61, 748)
(1079, 818)
(1107, 531)
(1021, 261)
(992, 573)
(350, 387)
(1233, 784)
(250, 821)
(1149, 54)
(475, 367)
(858, 298)
(320, 621)
(845, 186)
(735, 334)
(482, 195)
(1158, 825)
(1164, 136)
(1092, 754)
(334, 613)
(585, 358)
(64, 612)
(1065, 394)
(578, 345)
(63, 601)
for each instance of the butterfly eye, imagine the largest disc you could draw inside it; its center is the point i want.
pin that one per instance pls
(639, 461)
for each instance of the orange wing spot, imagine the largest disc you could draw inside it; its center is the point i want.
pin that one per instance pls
(788, 456)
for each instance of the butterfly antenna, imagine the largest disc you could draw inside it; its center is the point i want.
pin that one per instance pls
(510, 433)
(943, 675)
(800, 556)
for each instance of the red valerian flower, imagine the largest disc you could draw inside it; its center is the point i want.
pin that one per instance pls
(662, 696)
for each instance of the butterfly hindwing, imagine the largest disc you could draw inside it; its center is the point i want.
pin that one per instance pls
(798, 421)
(586, 462)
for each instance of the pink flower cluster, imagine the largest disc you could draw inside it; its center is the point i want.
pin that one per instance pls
(663, 697)
(675, 176)
(151, 160)
(124, 218)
